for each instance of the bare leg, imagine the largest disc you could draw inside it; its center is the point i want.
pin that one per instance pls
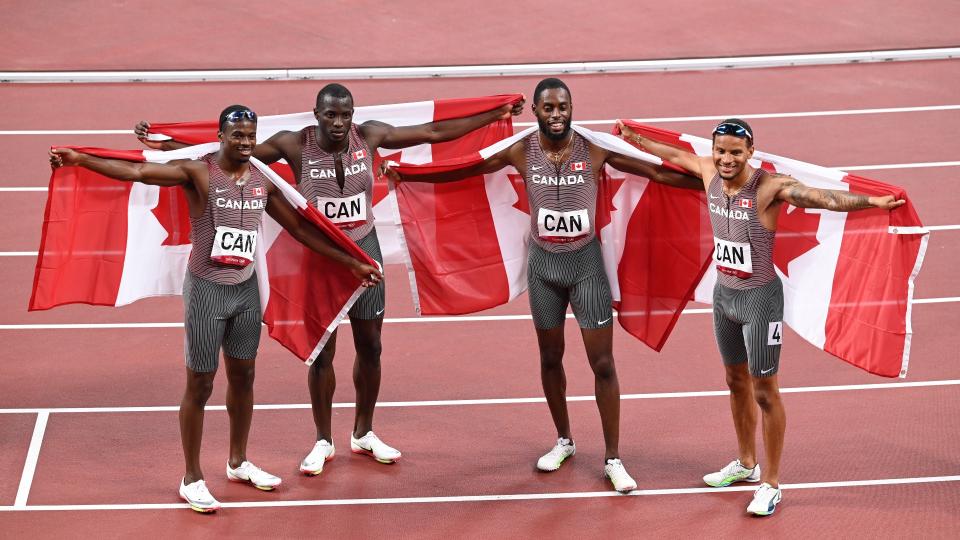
(366, 371)
(322, 382)
(599, 345)
(240, 375)
(767, 393)
(744, 411)
(553, 378)
(198, 389)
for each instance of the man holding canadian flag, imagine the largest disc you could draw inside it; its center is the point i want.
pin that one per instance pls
(748, 302)
(227, 198)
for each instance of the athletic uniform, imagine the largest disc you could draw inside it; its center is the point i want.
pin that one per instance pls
(748, 296)
(349, 207)
(565, 265)
(220, 293)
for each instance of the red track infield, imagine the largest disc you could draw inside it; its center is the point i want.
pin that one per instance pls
(675, 420)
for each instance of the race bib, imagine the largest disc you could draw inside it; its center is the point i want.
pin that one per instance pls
(233, 247)
(732, 258)
(562, 227)
(347, 212)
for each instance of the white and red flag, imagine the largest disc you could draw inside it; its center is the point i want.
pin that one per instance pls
(107, 242)
(848, 277)
(655, 239)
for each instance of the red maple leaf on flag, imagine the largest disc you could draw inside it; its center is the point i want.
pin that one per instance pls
(606, 190)
(380, 190)
(173, 213)
(522, 204)
(796, 235)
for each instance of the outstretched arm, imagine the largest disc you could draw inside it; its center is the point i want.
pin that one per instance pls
(309, 235)
(379, 134)
(142, 130)
(268, 151)
(676, 156)
(492, 164)
(174, 173)
(657, 173)
(796, 193)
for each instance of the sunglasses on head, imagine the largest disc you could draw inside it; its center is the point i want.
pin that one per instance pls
(732, 129)
(242, 114)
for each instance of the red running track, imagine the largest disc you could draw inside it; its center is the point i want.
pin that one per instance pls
(458, 450)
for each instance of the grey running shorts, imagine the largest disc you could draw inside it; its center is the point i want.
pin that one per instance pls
(749, 326)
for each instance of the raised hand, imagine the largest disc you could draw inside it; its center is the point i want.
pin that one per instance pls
(60, 157)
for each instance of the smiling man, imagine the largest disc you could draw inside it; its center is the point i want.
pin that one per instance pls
(227, 198)
(744, 205)
(565, 267)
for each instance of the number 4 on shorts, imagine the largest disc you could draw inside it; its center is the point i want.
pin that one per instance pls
(775, 333)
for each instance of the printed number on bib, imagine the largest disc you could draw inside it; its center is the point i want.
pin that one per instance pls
(562, 227)
(775, 333)
(732, 258)
(347, 212)
(233, 247)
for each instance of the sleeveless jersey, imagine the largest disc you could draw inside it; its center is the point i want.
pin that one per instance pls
(563, 202)
(350, 208)
(223, 233)
(743, 247)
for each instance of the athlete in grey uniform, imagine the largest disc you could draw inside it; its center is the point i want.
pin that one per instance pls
(744, 205)
(333, 166)
(221, 299)
(559, 168)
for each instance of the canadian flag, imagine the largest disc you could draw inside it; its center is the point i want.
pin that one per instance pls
(577, 166)
(107, 242)
(848, 278)
(359, 154)
(397, 114)
(745, 203)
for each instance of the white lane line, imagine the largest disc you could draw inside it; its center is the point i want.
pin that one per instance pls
(33, 453)
(18, 253)
(488, 70)
(19, 189)
(899, 166)
(942, 227)
(491, 498)
(668, 119)
(495, 401)
(395, 320)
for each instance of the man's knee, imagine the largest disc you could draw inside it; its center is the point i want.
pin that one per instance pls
(241, 373)
(766, 395)
(738, 378)
(199, 387)
(604, 367)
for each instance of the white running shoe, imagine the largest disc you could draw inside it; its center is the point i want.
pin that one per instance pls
(371, 445)
(765, 500)
(313, 464)
(733, 472)
(198, 497)
(552, 460)
(248, 472)
(618, 476)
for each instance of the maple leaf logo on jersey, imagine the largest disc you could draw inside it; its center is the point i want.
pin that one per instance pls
(745, 203)
(578, 165)
(258, 192)
(359, 154)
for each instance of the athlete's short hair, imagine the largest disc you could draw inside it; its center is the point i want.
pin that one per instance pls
(334, 90)
(548, 84)
(735, 127)
(235, 113)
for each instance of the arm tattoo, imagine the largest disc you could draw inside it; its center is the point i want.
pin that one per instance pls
(829, 199)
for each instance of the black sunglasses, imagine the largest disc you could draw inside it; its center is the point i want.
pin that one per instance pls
(242, 114)
(733, 129)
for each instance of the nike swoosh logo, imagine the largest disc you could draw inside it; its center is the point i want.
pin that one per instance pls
(762, 372)
(218, 190)
(313, 161)
(605, 320)
(712, 196)
(535, 168)
(381, 311)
